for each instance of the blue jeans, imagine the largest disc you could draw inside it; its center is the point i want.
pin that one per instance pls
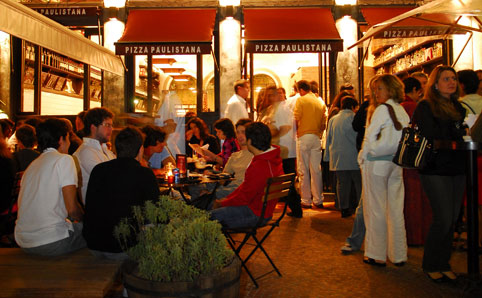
(235, 216)
(358, 232)
(74, 242)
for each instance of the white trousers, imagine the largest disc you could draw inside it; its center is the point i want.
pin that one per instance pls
(383, 199)
(308, 154)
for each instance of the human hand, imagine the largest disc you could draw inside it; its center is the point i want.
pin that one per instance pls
(217, 204)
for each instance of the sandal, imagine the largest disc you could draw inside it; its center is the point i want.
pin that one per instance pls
(373, 262)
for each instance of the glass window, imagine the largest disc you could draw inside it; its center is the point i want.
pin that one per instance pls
(27, 104)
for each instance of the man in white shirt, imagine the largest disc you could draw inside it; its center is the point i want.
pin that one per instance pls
(98, 124)
(236, 107)
(49, 213)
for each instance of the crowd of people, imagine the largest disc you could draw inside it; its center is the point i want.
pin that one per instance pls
(75, 186)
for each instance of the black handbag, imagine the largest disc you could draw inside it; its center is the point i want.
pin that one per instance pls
(414, 149)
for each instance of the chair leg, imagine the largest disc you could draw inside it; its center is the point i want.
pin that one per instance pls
(236, 250)
(267, 256)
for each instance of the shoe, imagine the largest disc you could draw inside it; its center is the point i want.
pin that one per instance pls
(345, 213)
(319, 206)
(373, 262)
(450, 275)
(438, 277)
(399, 264)
(347, 249)
(305, 206)
(291, 214)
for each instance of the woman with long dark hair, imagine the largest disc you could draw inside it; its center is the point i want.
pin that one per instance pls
(439, 116)
(197, 133)
(225, 132)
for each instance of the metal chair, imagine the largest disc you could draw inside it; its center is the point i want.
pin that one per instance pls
(276, 188)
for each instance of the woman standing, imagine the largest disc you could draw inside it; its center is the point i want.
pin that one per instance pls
(383, 190)
(439, 117)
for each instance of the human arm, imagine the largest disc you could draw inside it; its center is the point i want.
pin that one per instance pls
(476, 130)
(74, 210)
(329, 137)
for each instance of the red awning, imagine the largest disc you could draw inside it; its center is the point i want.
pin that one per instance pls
(290, 30)
(433, 24)
(376, 15)
(167, 31)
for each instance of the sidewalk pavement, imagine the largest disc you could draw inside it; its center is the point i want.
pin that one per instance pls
(307, 252)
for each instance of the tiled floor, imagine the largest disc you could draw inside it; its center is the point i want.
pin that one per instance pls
(307, 252)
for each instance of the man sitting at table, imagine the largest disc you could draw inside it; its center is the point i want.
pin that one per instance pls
(49, 215)
(114, 188)
(156, 154)
(243, 206)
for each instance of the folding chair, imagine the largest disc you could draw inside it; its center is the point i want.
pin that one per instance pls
(276, 188)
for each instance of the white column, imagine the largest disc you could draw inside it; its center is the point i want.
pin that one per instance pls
(347, 62)
(230, 58)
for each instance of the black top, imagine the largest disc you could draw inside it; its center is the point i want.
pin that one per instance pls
(114, 188)
(359, 122)
(210, 139)
(7, 176)
(442, 162)
(23, 158)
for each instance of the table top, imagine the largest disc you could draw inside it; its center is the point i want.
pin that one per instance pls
(195, 180)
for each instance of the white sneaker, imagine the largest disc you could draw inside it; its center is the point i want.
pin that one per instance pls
(346, 249)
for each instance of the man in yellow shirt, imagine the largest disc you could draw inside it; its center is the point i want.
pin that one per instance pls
(310, 118)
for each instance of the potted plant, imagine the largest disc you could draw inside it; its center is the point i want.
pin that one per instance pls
(175, 250)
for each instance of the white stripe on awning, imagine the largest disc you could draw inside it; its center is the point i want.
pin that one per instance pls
(25, 23)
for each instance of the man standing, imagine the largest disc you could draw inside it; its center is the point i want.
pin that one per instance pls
(49, 214)
(114, 188)
(242, 208)
(236, 107)
(98, 126)
(310, 119)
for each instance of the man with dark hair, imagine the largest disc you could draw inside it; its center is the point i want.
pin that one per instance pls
(49, 214)
(413, 93)
(310, 118)
(243, 206)
(156, 154)
(422, 78)
(236, 106)
(98, 131)
(342, 154)
(26, 140)
(114, 188)
(469, 83)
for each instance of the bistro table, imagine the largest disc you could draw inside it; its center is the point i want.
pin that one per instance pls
(216, 179)
(470, 148)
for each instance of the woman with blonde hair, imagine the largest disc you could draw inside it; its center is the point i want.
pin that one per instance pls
(439, 116)
(383, 190)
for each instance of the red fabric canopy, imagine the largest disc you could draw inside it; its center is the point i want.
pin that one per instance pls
(374, 16)
(289, 24)
(174, 28)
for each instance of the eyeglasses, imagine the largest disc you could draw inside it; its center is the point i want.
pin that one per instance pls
(108, 125)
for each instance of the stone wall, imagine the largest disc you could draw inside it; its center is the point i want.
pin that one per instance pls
(114, 94)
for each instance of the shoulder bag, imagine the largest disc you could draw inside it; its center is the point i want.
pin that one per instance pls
(413, 149)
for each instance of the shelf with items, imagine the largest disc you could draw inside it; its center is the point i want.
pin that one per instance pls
(411, 58)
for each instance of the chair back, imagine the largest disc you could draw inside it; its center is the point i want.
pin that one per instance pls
(277, 188)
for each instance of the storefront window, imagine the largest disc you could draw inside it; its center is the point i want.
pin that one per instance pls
(27, 104)
(95, 87)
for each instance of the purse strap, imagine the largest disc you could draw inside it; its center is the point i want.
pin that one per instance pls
(391, 111)
(468, 107)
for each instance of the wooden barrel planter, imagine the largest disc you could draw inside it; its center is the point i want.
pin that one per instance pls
(224, 284)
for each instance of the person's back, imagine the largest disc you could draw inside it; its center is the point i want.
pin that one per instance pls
(310, 115)
(48, 212)
(114, 188)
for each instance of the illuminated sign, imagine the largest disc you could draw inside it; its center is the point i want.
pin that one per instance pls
(293, 46)
(162, 49)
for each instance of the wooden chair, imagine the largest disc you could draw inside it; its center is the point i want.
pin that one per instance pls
(276, 188)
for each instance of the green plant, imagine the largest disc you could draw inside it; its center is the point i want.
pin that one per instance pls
(173, 241)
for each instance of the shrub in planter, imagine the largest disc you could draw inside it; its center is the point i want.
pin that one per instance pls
(173, 242)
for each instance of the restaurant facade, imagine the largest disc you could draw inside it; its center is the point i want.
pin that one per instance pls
(184, 56)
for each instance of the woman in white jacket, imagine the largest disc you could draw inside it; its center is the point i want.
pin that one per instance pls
(382, 180)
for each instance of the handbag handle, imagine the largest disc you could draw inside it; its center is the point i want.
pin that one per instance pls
(396, 123)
